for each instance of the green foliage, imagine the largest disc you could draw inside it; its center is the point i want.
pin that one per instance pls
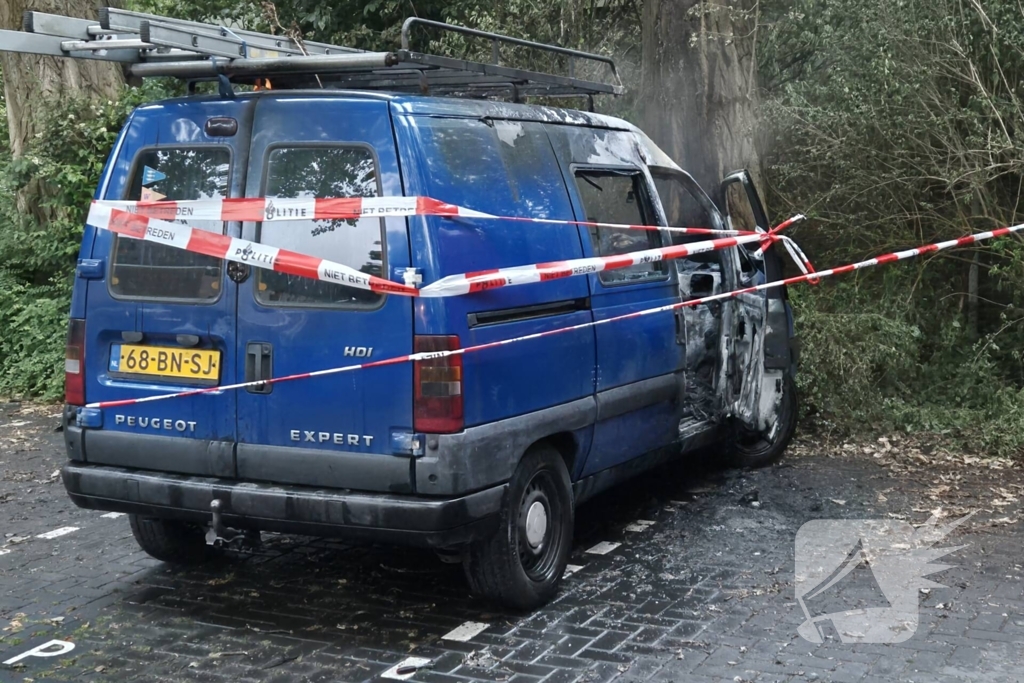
(896, 124)
(862, 369)
(65, 161)
(33, 320)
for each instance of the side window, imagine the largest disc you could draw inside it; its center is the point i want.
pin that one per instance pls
(145, 270)
(683, 210)
(322, 172)
(610, 197)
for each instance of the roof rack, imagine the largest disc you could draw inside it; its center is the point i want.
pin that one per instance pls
(148, 45)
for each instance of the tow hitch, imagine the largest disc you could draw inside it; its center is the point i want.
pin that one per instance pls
(221, 536)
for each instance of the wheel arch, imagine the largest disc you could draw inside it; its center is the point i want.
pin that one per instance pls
(566, 444)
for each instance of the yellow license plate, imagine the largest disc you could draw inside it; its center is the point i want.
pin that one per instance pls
(162, 361)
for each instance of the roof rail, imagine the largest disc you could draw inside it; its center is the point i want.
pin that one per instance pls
(149, 45)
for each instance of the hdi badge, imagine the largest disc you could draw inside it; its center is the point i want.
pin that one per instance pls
(874, 568)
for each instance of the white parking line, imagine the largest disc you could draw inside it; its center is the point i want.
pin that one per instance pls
(467, 631)
(603, 548)
(57, 533)
(412, 664)
(639, 525)
(112, 515)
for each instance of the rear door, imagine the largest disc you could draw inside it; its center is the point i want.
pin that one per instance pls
(159, 319)
(337, 430)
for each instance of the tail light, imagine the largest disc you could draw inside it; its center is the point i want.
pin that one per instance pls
(74, 363)
(437, 408)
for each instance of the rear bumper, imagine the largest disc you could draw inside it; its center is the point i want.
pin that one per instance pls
(386, 518)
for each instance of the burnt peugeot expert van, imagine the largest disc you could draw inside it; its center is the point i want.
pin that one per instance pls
(483, 457)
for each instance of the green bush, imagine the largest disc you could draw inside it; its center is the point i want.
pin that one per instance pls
(33, 320)
(869, 366)
(889, 127)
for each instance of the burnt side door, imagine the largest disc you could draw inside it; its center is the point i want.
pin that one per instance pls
(697, 328)
(761, 329)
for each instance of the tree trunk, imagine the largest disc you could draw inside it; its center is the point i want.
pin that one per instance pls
(31, 81)
(700, 95)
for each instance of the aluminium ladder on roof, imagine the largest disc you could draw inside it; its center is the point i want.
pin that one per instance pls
(148, 45)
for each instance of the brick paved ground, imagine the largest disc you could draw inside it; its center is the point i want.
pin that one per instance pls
(705, 593)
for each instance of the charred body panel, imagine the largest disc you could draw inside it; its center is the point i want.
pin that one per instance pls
(701, 328)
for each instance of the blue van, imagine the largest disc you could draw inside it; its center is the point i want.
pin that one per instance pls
(483, 457)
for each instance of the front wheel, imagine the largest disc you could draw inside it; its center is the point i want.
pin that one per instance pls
(519, 567)
(759, 449)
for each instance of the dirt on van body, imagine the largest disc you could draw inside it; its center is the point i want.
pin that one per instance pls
(686, 574)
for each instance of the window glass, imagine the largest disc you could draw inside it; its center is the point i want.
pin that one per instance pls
(322, 172)
(507, 168)
(156, 271)
(741, 216)
(684, 210)
(610, 197)
(739, 210)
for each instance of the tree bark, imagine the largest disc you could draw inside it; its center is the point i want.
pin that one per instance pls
(31, 82)
(700, 96)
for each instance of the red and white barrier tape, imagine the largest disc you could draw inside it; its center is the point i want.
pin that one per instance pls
(455, 285)
(233, 249)
(809, 277)
(261, 209)
(140, 226)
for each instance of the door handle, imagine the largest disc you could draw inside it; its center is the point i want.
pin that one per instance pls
(259, 366)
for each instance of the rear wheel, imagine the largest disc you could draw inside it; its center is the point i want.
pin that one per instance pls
(759, 449)
(170, 540)
(520, 566)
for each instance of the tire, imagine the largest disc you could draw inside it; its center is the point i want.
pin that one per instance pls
(751, 449)
(171, 541)
(519, 567)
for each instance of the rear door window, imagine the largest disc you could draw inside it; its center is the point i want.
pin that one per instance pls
(322, 172)
(145, 270)
(616, 197)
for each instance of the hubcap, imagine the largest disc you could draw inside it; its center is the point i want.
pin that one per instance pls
(536, 524)
(538, 531)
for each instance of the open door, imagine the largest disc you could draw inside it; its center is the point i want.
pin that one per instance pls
(697, 327)
(758, 357)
